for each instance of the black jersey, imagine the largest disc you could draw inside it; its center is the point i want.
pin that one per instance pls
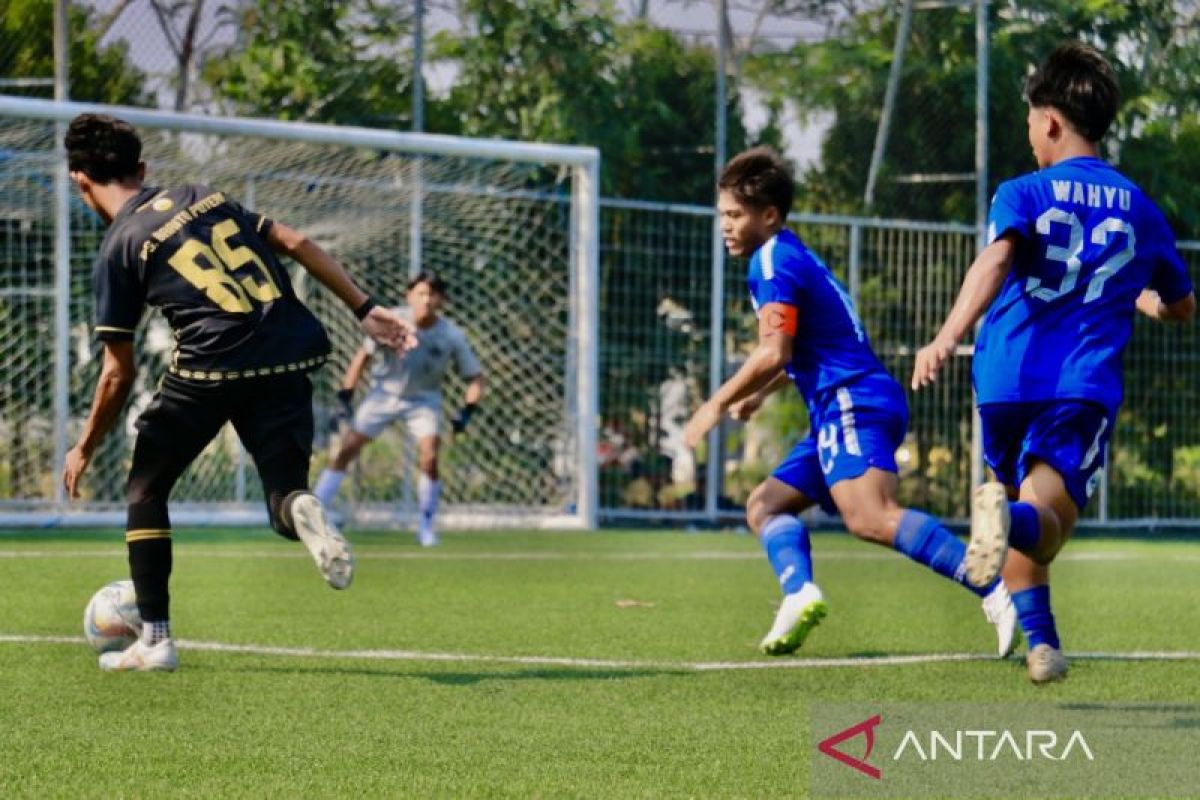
(205, 262)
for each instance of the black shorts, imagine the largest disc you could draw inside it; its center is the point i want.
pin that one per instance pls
(272, 416)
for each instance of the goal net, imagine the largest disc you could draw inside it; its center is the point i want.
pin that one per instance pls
(510, 226)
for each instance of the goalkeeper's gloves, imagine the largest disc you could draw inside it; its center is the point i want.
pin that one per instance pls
(460, 422)
(344, 411)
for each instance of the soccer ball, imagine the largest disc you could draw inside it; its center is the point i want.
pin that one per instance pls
(111, 620)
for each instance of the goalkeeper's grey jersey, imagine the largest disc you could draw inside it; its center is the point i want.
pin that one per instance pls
(418, 374)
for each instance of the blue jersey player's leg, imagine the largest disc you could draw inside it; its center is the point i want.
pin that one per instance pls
(771, 513)
(859, 431)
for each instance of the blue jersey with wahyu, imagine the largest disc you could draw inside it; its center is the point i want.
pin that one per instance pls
(830, 348)
(1090, 242)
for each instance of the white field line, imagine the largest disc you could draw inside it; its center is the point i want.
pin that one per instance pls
(601, 663)
(203, 551)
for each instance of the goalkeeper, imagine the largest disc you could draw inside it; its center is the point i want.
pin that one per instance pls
(408, 388)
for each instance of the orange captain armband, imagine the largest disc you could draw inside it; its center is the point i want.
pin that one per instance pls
(777, 318)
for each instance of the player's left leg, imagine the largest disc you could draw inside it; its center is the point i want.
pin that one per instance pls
(273, 417)
(869, 508)
(795, 485)
(1067, 438)
(377, 410)
(1028, 576)
(428, 489)
(858, 440)
(176, 426)
(423, 422)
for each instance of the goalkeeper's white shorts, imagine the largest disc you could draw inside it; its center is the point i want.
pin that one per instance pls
(422, 417)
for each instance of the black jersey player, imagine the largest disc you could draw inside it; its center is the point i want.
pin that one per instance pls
(244, 347)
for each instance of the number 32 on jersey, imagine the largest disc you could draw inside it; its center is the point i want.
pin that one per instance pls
(1069, 255)
(218, 280)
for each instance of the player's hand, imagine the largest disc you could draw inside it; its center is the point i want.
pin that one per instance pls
(76, 464)
(460, 422)
(704, 420)
(390, 329)
(744, 409)
(930, 359)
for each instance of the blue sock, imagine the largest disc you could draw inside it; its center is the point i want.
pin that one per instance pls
(1037, 620)
(786, 541)
(926, 541)
(1025, 529)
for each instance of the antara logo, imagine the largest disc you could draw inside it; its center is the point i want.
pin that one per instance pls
(964, 745)
(867, 729)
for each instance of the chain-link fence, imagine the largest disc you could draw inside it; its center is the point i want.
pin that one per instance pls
(655, 348)
(887, 93)
(903, 276)
(506, 235)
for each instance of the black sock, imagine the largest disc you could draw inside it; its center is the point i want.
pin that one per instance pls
(150, 566)
(281, 513)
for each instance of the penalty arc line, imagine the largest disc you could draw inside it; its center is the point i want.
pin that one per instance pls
(600, 663)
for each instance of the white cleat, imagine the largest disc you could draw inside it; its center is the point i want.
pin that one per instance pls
(999, 610)
(798, 614)
(428, 539)
(324, 541)
(140, 657)
(989, 534)
(1046, 664)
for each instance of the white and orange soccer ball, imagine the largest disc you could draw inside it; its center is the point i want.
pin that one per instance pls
(111, 620)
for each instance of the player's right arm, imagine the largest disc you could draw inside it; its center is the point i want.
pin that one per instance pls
(354, 373)
(982, 283)
(116, 379)
(381, 324)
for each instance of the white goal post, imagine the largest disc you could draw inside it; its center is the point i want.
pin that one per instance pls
(512, 226)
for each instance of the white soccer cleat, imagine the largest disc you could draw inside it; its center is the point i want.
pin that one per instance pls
(324, 541)
(1046, 664)
(428, 539)
(798, 614)
(988, 546)
(141, 657)
(1000, 611)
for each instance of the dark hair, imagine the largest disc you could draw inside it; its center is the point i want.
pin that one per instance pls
(104, 148)
(1077, 81)
(427, 276)
(759, 177)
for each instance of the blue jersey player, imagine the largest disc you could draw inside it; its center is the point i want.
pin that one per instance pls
(810, 335)
(1075, 249)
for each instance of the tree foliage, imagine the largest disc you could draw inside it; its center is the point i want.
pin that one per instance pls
(1152, 44)
(97, 74)
(557, 71)
(312, 60)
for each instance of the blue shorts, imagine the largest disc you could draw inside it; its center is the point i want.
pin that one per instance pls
(854, 428)
(1069, 435)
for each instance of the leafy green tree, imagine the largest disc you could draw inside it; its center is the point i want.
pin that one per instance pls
(557, 71)
(311, 60)
(1151, 43)
(97, 74)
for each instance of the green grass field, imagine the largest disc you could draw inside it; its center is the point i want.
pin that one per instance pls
(427, 678)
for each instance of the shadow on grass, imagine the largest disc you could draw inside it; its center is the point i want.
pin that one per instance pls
(471, 678)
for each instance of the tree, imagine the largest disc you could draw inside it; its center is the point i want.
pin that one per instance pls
(97, 74)
(556, 71)
(311, 60)
(1152, 44)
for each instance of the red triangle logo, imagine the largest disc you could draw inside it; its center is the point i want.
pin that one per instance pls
(867, 729)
